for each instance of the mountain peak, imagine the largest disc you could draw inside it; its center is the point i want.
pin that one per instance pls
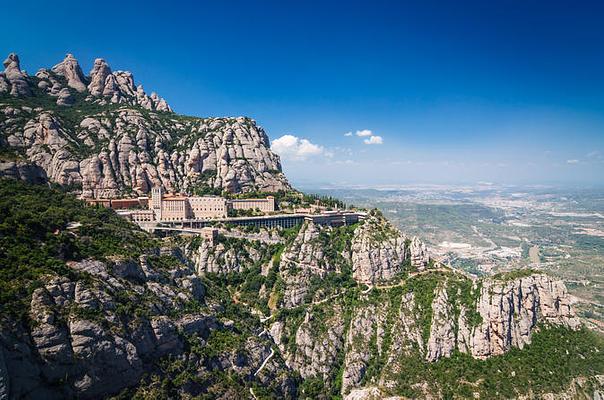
(13, 61)
(13, 80)
(115, 143)
(70, 69)
(103, 85)
(98, 75)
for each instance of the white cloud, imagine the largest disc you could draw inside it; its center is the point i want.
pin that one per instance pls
(572, 161)
(348, 134)
(374, 140)
(291, 147)
(364, 132)
(344, 162)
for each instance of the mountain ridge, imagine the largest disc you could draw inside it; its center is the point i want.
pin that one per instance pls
(106, 137)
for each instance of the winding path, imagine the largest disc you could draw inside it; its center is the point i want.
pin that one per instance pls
(265, 361)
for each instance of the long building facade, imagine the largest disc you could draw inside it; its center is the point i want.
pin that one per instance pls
(166, 207)
(264, 205)
(179, 208)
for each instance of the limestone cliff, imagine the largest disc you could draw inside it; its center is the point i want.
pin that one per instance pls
(510, 311)
(98, 308)
(96, 337)
(103, 134)
(380, 251)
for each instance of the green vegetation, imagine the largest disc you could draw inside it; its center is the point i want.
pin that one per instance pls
(245, 283)
(555, 356)
(423, 289)
(515, 274)
(41, 229)
(381, 230)
(334, 242)
(461, 293)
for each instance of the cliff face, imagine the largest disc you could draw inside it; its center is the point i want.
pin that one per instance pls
(106, 135)
(379, 252)
(510, 311)
(283, 314)
(390, 329)
(93, 307)
(414, 310)
(96, 337)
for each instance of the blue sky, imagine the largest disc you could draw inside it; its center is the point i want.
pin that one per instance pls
(457, 92)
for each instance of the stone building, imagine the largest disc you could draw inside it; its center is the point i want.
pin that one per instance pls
(208, 207)
(210, 234)
(174, 208)
(168, 207)
(264, 205)
(138, 215)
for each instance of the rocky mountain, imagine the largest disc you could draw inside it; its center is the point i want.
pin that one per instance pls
(353, 334)
(103, 307)
(93, 307)
(104, 136)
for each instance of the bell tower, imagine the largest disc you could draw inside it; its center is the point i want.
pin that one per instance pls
(156, 202)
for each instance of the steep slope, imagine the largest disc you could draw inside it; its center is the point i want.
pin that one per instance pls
(105, 136)
(91, 306)
(391, 329)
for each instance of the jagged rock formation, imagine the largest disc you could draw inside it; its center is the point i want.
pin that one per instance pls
(316, 346)
(418, 308)
(385, 331)
(360, 311)
(442, 329)
(359, 350)
(13, 80)
(88, 347)
(510, 312)
(71, 71)
(125, 141)
(76, 330)
(102, 86)
(301, 260)
(380, 251)
(225, 257)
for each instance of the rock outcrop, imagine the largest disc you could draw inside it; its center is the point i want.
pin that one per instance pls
(13, 80)
(224, 258)
(71, 71)
(301, 260)
(87, 345)
(23, 171)
(442, 329)
(380, 251)
(130, 141)
(350, 307)
(510, 311)
(98, 76)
